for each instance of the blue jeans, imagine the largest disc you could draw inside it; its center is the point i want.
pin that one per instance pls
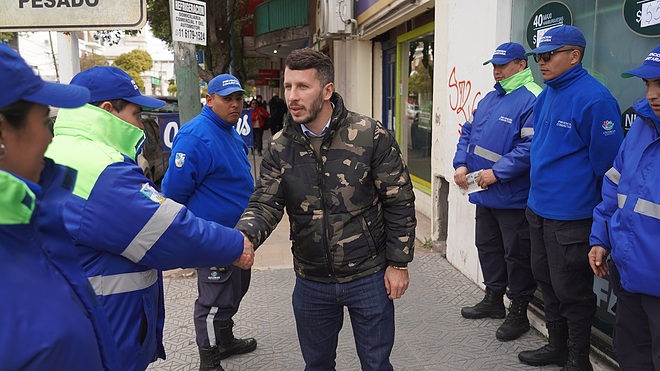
(319, 311)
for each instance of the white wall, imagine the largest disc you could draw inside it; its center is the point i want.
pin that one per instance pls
(353, 74)
(466, 34)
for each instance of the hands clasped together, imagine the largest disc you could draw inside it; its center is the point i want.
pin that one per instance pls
(247, 258)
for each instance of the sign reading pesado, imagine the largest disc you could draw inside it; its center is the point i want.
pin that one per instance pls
(189, 21)
(72, 15)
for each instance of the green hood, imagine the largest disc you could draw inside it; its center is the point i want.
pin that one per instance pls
(523, 77)
(98, 125)
(17, 200)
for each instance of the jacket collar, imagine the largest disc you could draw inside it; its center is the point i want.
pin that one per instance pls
(567, 77)
(98, 125)
(208, 114)
(514, 82)
(647, 115)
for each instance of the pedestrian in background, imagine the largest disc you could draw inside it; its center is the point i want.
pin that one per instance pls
(210, 174)
(351, 209)
(627, 228)
(278, 110)
(126, 232)
(577, 133)
(49, 316)
(259, 118)
(496, 143)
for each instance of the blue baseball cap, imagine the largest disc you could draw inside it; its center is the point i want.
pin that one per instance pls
(507, 52)
(19, 82)
(225, 84)
(559, 36)
(650, 69)
(108, 83)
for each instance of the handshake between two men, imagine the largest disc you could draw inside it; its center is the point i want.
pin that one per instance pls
(246, 259)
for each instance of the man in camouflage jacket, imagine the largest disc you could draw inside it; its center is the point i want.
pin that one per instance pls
(350, 203)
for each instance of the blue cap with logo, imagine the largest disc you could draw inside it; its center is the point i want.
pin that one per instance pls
(109, 83)
(19, 82)
(507, 52)
(559, 36)
(650, 69)
(225, 84)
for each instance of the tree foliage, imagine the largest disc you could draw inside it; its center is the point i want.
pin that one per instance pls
(112, 37)
(89, 60)
(7, 36)
(135, 62)
(224, 30)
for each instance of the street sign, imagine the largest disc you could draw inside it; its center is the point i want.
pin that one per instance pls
(189, 21)
(72, 15)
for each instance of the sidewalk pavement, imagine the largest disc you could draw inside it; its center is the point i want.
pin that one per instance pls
(430, 332)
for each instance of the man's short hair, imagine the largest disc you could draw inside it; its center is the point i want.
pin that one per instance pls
(117, 104)
(307, 58)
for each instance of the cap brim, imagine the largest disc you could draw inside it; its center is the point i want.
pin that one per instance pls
(148, 102)
(544, 49)
(498, 61)
(59, 95)
(644, 72)
(228, 91)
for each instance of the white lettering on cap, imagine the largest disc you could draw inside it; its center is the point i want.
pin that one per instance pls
(545, 39)
(653, 57)
(135, 87)
(230, 82)
(500, 52)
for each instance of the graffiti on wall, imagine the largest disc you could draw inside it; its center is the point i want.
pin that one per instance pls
(462, 99)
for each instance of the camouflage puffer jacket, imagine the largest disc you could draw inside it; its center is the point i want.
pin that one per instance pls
(351, 211)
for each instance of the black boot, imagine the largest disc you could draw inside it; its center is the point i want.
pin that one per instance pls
(516, 322)
(228, 345)
(209, 359)
(578, 358)
(554, 353)
(491, 306)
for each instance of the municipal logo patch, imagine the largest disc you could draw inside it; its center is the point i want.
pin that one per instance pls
(179, 159)
(608, 125)
(151, 193)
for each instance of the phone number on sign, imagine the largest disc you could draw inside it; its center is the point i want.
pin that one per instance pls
(190, 34)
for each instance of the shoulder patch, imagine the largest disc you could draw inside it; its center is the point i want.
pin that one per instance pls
(179, 159)
(151, 193)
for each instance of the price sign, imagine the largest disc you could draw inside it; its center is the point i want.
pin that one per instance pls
(189, 21)
(642, 16)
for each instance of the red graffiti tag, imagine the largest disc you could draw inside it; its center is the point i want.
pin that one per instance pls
(460, 101)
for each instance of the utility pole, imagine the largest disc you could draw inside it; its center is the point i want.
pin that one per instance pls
(69, 53)
(187, 80)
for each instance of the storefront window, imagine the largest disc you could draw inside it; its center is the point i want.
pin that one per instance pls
(416, 104)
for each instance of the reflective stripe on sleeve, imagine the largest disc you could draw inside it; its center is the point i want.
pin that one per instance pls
(620, 200)
(122, 283)
(152, 231)
(487, 154)
(613, 175)
(526, 132)
(647, 208)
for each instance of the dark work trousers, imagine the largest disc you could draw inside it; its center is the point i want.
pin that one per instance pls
(637, 327)
(220, 291)
(561, 268)
(502, 239)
